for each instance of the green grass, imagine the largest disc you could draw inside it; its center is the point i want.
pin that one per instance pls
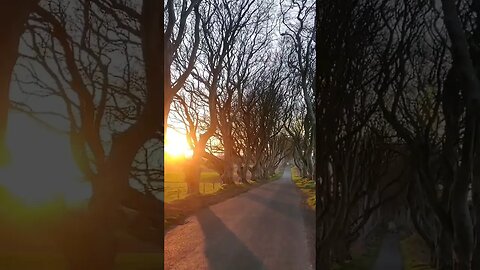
(178, 191)
(176, 187)
(306, 185)
(415, 253)
(178, 176)
(14, 211)
(56, 261)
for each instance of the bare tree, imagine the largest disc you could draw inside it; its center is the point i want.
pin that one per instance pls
(182, 39)
(355, 172)
(114, 111)
(464, 240)
(221, 24)
(425, 89)
(298, 21)
(266, 120)
(12, 25)
(240, 64)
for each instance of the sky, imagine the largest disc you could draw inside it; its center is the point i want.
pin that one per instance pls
(176, 144)
(42, 167)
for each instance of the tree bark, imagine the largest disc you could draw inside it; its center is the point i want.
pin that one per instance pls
(192, 176)
(243, 172)
(227, 176)
(444, 254)
(463, 229)
(13, 18)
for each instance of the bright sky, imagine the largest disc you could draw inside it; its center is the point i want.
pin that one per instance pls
(176, 145)
(42, 167)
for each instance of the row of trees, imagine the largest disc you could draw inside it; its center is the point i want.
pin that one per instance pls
(404, 73)
(239, 87)
(227, 71)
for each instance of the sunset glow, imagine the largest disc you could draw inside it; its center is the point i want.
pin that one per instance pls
(176, 145)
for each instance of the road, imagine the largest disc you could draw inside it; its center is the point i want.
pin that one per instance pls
(263, 228)
(389, 257)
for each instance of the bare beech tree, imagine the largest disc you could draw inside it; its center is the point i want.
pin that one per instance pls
(221, 23)
(295, 127)
(422, 75)
(465, 234)
(267, 119)
(182, 39)
(354, 171)
(13, 18)
(256, 127)
(114, 111)
(299, 34)
(246, 56)
(420, 129)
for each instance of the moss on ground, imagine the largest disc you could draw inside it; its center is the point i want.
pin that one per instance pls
(415, 253)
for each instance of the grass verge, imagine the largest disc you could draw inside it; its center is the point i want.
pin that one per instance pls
(306, 185)
(176, 187)
(415, 253)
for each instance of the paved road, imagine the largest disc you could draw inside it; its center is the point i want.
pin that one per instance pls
(389, 257)
(260, 229)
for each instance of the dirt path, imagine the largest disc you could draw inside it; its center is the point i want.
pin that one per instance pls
(260, 229)
(389, 257)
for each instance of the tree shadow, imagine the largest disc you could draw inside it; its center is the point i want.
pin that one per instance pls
(223, 249)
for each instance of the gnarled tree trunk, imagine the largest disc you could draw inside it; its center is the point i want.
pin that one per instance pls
(13, 18)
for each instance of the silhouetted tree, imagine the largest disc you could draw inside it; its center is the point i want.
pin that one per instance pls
(13, 17)
(114, 111)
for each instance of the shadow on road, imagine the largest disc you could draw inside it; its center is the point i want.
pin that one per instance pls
(223, 249)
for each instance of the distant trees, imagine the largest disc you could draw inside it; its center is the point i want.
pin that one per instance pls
(263, 118)
(299, 40)
(353, 153)
(416, 65)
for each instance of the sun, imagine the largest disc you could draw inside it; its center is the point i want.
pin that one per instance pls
(176, 145)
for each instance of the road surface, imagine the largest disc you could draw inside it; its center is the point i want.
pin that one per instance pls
(389, 257)
(263, 228)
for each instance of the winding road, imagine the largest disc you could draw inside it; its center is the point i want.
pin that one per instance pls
(263, 228)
